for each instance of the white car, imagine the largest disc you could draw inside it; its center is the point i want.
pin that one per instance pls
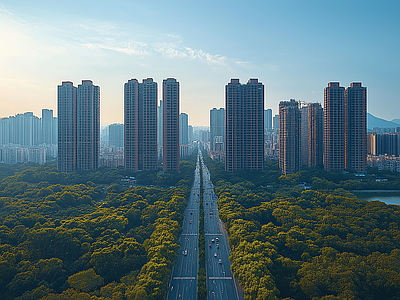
(220, 261)
(215, 254)
(185, 252)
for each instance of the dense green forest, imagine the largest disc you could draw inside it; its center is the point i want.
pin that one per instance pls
(291, 243)
(76, 236)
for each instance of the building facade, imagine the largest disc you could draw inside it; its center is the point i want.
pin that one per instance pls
(345, 127)
(289, 136)
(140, 125)
(88, 125)
(276, 122)
(67, 126)
(267, 119)
(47, 127)
(22, 129)
(334, 151)
(78, 126)
(217, 127)
(315, 135)
(116, 135)
(183, 129)
(386, 143)
(244, 125)
(170, 125)
(304, 142)
(355, 102)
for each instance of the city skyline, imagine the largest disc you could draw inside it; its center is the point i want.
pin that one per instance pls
(293, 56)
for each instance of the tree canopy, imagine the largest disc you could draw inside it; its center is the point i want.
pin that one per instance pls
(86, 236)
(291, 243)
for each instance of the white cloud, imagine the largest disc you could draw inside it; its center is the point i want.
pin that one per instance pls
(131, 48)
(59, 38)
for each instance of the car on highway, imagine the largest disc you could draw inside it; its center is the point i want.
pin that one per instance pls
(220, 261)
(215, 254)
(185, 252)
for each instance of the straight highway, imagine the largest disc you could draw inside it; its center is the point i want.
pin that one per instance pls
(220, 281)
(183, 282)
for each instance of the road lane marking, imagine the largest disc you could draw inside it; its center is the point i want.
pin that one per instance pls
(184, 278)
(213, 278)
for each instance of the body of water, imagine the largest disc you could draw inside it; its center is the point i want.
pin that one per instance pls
(387, 197)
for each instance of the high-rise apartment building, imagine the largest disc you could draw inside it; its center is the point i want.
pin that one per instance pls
(67, 126)
(140, 124)
(334, 127)
(345, 127)
(289, 136)
(355, 131)
(160, 124)
(217, 126)
(387, 143)
(54, 137)
(315, 134)
(47, 126)
(190, 133)
(267, 119)
(303, 134)
(170, 125)
(183, 129)
(88, 125)
(78, 126)
(244, 125)
(160, 131)
(116, 135)
(22, 129)
(276, 122)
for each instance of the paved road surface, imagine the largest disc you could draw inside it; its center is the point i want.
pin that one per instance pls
(220, 282)
(183, 284)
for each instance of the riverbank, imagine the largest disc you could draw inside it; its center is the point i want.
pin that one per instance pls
(376, 191)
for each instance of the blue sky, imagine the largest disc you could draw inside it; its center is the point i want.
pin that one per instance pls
(294, 47)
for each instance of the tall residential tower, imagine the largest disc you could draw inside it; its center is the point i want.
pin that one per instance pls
(345, 127)
(67, 126)
(217, 126)
(315, 135)
(88, 124)
(140, 125)
(289, 136)
(78, 126)
(170, 124)
(355, 133)
(334, 127)
(244, 125)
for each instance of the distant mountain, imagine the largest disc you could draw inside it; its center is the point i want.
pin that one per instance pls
(373, 121)
(396, 121)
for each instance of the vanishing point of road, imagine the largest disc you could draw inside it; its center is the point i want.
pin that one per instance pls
(219, 279)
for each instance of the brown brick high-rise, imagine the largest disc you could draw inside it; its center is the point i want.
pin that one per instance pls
(355, 102)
